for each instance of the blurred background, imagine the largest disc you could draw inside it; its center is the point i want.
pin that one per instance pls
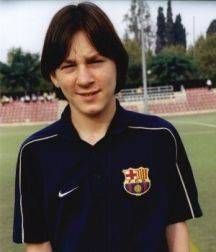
(172, 73)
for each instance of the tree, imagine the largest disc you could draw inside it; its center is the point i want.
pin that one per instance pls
(134, 51)
(175, 50)
(132, 21)
(134, 77)
(169, 33)
(22, 71)
(139, 8)
(161, 31)
(169, 25)
(212, 28)
(205, 55)
(179, 34)
(171, 66)
(4, 71)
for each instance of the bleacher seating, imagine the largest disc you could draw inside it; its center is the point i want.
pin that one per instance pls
(154, 93)
(18, 111)
(200, 99)
(194, 100)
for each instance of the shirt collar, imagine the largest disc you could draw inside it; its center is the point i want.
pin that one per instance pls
(120, 120)
(118, 124)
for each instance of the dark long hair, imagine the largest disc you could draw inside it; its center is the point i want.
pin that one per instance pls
(89, 18)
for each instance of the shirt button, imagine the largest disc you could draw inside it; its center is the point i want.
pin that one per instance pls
(98, 176)
(98, 180)
(98, 185)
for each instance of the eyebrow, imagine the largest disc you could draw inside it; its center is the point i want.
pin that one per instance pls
(88, 59)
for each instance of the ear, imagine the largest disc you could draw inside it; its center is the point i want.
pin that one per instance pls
(54, 80)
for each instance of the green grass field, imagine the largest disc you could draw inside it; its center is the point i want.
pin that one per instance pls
(199, 136)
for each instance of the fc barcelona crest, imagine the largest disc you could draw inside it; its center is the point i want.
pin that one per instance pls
(137, 181)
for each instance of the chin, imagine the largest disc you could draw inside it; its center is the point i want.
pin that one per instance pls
(93, 112)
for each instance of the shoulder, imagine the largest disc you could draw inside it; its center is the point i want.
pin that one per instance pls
(149, 122)
(160, 130)
(153, 124)
(47, 133)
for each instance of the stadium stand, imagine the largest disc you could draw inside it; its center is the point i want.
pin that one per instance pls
(187, 101)
(18, 111)
(162, 101)
(154, 93)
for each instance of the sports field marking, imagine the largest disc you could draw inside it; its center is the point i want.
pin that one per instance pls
(200, 132)
(196, 123)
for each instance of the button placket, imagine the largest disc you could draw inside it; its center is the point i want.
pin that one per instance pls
(97, 178)
(98, 191)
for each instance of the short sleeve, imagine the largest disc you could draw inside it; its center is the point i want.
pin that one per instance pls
(184, 203)
(29, 218)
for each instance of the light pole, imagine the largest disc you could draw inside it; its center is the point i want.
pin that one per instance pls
(144, 77)
(193, 30)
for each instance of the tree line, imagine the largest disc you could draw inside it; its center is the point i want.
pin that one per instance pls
(169, 60)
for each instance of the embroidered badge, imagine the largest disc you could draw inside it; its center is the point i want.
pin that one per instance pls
(137, 181)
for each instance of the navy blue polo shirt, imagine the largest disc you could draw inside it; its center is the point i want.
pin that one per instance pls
(117, 195)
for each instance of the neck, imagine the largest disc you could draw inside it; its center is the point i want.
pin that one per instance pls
(92, 128)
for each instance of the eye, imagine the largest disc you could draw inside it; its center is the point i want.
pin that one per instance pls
(96, 61)
(68, 66)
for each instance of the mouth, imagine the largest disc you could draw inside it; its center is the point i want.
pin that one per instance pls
(89, 94)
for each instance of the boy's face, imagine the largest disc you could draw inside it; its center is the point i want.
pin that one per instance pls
(87, 79)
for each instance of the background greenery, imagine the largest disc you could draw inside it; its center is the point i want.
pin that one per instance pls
(169, 60)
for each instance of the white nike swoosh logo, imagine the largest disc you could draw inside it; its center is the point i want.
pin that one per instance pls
(61, 195)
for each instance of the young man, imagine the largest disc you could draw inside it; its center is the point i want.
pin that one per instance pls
(101, 178)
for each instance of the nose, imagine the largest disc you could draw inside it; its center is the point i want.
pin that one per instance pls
(84, 76)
